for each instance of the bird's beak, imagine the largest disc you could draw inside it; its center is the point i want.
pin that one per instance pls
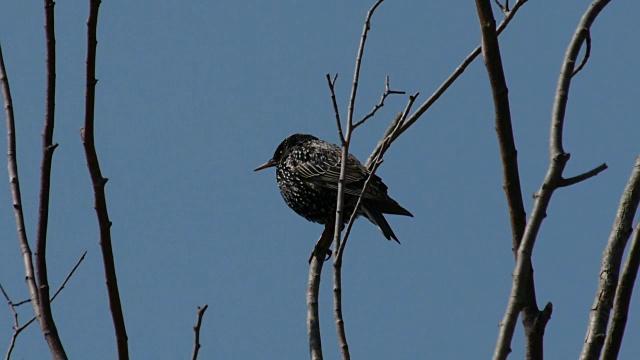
(268, 164)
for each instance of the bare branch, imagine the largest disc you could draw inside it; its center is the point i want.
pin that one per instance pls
(566, 73)
(196, 330)
(533, 320)
(98, 183)
(586, 54)
(334, 101)
(16, 196)
(337, 262)
(623, 299)
(504, 129)
(391, 132)
(523, 271)
(316, 263)
(582, 177)
(458, 71)
(610, 270)
(16, 326)
(380, 104)
(356, 73)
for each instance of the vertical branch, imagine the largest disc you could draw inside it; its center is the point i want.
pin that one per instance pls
(533, 320)
(347, 138)
(316, 263)
(504, 129)
(14, 181)
(98, 182)
(47, 323)
(610, 270)
(342, 337)
(196, 330)
(552, 181)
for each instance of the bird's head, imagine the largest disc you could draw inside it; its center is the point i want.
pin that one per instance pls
(285, 146)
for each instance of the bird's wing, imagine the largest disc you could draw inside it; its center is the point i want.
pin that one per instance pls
(327, 173)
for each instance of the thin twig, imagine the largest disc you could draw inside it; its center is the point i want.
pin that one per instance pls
(610, 270)
(196, 330)
(587, 52)
(582, 177)
(339, 252)
(16, 326)
(98, 183)
(457, 72)
(332, 88)
(380, 104)
(64, 283)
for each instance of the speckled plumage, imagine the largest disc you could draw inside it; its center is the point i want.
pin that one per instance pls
(307, 172)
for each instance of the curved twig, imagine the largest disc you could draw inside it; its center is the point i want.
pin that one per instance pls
(587, 52)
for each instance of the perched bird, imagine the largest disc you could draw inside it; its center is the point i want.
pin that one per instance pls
(307, 172)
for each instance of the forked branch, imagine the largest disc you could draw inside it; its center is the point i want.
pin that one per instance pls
(552, 181)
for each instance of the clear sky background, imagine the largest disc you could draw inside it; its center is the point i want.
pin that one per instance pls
(193, 95)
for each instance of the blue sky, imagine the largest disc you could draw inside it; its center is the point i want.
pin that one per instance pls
(192, 96)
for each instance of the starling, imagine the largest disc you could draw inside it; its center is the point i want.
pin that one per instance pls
(307, 172)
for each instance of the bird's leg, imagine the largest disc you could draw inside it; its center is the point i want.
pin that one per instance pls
(323, 244)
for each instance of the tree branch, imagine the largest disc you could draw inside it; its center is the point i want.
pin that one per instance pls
(98, 182)
(533, 320)
(610, 270)
(16, 196)
(316, 263)
(16, 325)
(380, 104)
(47, 324)
(623, 298)
(196, 330)
(343, 164)
(332, 88)
(454, 76)
(553, 179)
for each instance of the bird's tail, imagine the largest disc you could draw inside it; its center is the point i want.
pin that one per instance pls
(375, 216)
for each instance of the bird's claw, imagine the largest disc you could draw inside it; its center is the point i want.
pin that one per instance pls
(317, 250)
